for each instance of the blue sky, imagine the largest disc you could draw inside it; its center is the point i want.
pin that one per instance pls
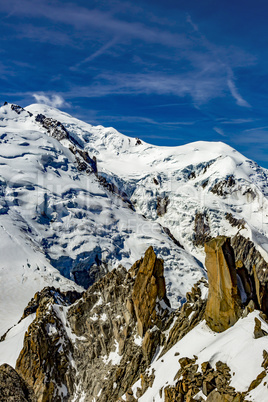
(169, 72)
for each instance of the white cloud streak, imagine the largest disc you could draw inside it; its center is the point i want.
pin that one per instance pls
(219, 131)
(103, 49)
(238, 121)
(147, 120)
(200, 90)
(239, 100)
(53, 100)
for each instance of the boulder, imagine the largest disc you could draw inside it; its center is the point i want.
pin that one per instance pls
(258, 331)
(215, 396)
(265, 360)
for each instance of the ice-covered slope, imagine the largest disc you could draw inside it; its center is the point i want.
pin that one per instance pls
(199, 186)
(57, 221)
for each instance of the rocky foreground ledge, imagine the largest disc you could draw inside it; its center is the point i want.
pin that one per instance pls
(95, 346)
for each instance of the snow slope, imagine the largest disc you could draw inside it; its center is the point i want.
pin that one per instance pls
(11, 347)
(236, 347)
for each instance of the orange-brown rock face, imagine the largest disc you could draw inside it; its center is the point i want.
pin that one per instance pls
(149, 286)
(223, 305)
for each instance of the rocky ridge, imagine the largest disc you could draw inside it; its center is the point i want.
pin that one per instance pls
(46, 361)
(106, 334)
(96, 347)
(214, 383)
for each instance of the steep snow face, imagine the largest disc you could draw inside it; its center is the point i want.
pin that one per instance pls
(57, 222)
(172, 185)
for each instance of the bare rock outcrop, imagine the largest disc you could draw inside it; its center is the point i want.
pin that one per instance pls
(224, 187)
(13, 387)
(45, 361)
(162, 204)
(99, 344)
(224, 303)
(105, 326)
(149, 287)
(202, 232)
(118, 324)
(55, 128)
(213, 382)
(255, 268)
(258, 331)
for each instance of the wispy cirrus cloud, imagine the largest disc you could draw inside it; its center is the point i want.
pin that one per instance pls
(147, 120)
(225, 61)
(234, 91)
(220, 131)
(6, 71)
(238, 121)
(258, 137)
(102, 50)
(85, 19)
(41, 34)
(210, 67)
(181, 85)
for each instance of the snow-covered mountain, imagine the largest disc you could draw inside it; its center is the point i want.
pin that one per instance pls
(171, 185)
(78, 200)
(74, 221)
(56, 213)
